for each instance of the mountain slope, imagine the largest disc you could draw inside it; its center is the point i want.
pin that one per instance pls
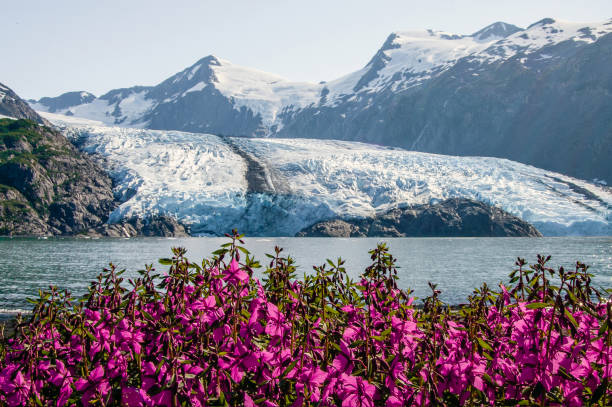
(502, 91)
(13, 106)
(541, 92)
(278, 187)
(47, 187)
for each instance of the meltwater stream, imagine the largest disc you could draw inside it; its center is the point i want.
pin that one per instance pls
(457, 265)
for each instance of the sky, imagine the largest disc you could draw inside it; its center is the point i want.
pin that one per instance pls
(52, 47)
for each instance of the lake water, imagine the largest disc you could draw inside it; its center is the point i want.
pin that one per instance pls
(457, 265)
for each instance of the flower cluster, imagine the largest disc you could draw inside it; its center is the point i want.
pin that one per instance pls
(210, 334)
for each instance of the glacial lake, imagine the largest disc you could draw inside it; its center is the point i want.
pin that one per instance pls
(457, 265)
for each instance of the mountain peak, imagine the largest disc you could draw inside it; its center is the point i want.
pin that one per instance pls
(66, 100)
(498, 29)
(12, 105)
(209, 60)
(542, 22)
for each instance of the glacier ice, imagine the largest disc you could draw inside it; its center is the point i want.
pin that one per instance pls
(200, 179)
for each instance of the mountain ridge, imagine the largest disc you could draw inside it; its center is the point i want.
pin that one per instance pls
(406, 96)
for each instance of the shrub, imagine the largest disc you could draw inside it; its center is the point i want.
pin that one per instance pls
(211, 334)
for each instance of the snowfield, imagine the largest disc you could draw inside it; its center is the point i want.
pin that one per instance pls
(201, 180)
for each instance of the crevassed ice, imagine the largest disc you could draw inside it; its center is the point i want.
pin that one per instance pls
(201, 181)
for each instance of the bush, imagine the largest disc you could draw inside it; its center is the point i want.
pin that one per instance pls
(210, 334)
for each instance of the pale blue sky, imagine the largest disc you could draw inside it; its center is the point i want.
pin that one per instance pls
(51, 47)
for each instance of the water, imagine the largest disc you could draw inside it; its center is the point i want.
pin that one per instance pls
(457, 265)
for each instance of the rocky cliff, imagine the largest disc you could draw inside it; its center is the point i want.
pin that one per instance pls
(452, 217)
(12, 105)
(49, 187)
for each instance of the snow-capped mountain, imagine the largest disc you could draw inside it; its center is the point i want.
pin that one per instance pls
(207, 181)
(502, 91)
(213, 95)
(65, 101)
(264, 96)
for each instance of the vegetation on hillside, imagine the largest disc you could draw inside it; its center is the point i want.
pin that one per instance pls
(46, 185)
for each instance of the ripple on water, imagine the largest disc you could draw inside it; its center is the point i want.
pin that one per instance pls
(457, 265)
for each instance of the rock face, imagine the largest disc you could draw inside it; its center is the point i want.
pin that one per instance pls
(66, 100)
(47, 187)
(450, 218)
(551, 101)
(154, 226)
(13, 106)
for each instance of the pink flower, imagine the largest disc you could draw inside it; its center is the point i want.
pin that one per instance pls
(357, 392)
(63, 379)
(235, 275)
(276, 321)
(95, 384)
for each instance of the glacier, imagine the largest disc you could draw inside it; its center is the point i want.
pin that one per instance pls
(201, 179)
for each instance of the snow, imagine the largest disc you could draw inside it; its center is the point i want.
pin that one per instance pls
(264, 93)
(355, 179)
(193, 177)
(201, 181)
(416, 54)
(411, 58)
(132, 108)
(542, 34)
(5, 117)
(195, 88)
(68, 120)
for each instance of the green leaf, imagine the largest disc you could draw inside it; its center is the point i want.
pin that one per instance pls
(484, 345)
(165, 262)
(599, 391)
(243, 250)
(289, 368)
(570, 318)
(538, 305)
(603, 328)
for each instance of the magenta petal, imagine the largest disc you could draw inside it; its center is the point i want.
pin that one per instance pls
(249, 362)
(81, 384)
(248, 401)
(65, 393)
(163, 399)
(97, 374)
(131, 397)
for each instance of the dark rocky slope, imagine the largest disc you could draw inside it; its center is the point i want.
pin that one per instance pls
(548, 108)
(13, 106)
(47, 187)
(452, 217)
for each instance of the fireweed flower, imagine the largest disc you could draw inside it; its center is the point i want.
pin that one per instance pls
(357, 392)
(235, 275)
(210, 335)
(95, 385)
